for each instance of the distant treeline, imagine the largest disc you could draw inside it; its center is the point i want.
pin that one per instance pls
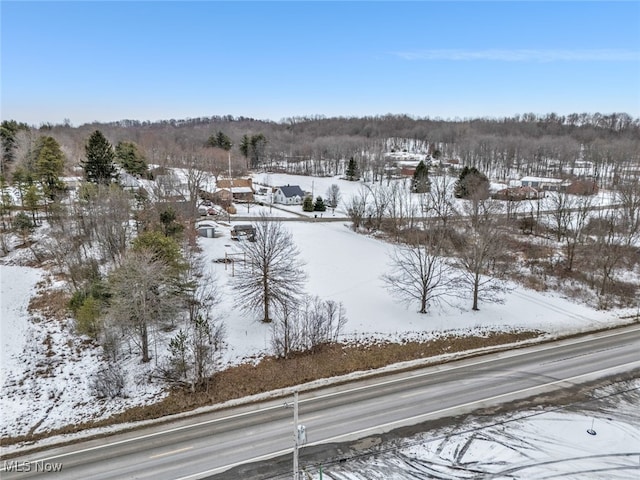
(316, 145)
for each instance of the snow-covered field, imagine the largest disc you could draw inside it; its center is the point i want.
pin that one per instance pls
(46, 370)
(318, 186)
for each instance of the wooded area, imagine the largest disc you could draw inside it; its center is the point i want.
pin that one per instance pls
(530, 144)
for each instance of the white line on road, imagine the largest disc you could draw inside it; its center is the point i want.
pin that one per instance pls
(413, 420)
(170, 453)
(439, 369)
(266, 456)
(626, 366)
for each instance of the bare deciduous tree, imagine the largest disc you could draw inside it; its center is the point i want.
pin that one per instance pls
(196, 349)
(142, 298)
(198, 173)
(401, 209)
(478, 253)
(307, 324)
(628, 195)
(273, 275)
(356, 209)
(113, 207)
(333, 195)
(441, 198)
(561, 205)
(574, 232)
(419, 272)
(608, 247)
(379, 199)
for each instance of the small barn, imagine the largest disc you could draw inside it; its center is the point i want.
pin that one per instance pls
(241, 188)
(206, 229)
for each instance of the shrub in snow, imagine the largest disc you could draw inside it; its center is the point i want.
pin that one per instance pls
(307, 325)
(109, 382)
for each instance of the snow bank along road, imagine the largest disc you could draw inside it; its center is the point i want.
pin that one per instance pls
(202, 446)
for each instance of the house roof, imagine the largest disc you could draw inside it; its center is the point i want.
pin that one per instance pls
(542, 180)
(128, 180)
(236, 182)
(241, 190)
(291, 191)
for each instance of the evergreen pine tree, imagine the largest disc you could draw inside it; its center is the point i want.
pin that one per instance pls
(223, 141)
(245, 145)
(307, 204)
(32, 198)
(352, 170)
(220, 140)
(471, 183)
(49, 166)
(99, 167)
(22, 179)
(128, 155)
(258, 146)
(170, 226)
(6, 201)
(420, 182)
(8, 138)
(319, 206)
(23, 225)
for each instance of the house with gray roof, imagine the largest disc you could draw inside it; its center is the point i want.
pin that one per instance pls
(289, 195)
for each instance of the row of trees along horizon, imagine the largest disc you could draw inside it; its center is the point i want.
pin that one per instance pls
(529, 144)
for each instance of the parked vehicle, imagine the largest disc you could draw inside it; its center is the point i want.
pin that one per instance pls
(244, 232)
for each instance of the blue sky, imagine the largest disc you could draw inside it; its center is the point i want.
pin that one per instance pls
(153, 60)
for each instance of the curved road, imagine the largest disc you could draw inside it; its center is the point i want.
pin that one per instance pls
(205, 445)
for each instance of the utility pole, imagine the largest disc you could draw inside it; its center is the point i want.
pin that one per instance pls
(295, 435)
(299, 434)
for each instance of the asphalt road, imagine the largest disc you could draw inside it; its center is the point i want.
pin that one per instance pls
(205, 445)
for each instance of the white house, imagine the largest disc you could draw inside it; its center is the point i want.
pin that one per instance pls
(288, 195)
(542, 183)
(128, 181)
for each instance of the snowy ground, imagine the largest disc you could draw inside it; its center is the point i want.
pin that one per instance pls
(346, 267)
(538, 443)
(45, 369)
(318, 186)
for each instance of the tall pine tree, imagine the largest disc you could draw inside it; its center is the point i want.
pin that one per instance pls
(352, 170)
(319, 205)
(420, 182)
(8, 140)
(49, 166)
(220, 140)
(307, 204)
(471, 183)
(130, 158)
(99, 167)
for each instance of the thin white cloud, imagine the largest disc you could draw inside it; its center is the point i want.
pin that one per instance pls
(524, 55)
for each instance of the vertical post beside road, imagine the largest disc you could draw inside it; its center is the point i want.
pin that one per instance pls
(299, 434)
(295, 435)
